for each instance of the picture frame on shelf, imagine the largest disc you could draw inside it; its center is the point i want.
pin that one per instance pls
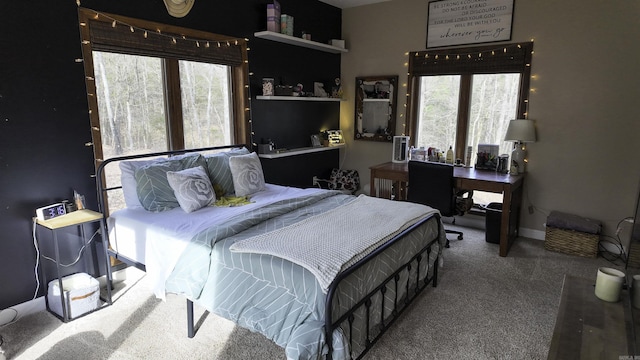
(487, 157)
(315, 140)
(268, 86)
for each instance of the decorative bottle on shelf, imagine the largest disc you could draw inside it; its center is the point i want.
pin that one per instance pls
(449, 158)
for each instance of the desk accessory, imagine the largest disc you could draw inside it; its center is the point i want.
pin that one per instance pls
(520, 131)
(487, 157)
(609, 283)
(335, 137)
(51, 211)
(400, 149)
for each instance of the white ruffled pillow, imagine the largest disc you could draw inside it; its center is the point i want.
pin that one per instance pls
(247, 174)
(192, 188)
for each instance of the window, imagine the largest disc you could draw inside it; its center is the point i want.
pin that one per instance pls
(206, 99)
(466, 96)
(153, 87)
(494, 100)
(131, 104)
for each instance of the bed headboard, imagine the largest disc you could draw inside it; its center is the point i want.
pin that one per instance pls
(100, 178)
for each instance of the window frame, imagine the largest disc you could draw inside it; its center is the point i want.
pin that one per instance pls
(466, 62)
(171, 43)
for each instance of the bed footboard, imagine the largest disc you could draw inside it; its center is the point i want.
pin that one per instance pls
(377, 309)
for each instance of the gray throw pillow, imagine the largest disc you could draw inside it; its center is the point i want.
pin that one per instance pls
(192, 188)
(154, 192)
(218, 169)
(247, 175)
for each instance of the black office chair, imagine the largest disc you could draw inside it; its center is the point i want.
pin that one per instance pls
(432, 184)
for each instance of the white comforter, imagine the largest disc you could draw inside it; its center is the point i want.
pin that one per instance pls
(317, 243)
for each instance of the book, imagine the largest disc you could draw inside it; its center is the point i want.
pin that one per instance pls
(273, 16)
(286, 24)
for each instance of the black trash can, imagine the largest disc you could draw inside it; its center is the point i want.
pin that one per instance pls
(493, 222)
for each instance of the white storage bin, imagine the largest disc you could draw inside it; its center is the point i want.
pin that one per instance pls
(81, 295)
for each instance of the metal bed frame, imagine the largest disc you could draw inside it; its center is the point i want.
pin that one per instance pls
(413, 287)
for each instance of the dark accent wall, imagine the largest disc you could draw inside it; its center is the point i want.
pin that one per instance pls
(44, 122)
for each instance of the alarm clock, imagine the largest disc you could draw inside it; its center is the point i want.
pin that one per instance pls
(51, 211)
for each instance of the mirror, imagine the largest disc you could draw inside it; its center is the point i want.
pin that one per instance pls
(376, 108)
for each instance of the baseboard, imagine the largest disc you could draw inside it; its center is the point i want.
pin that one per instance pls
(468, 220)
(38, 304)
(479, 222)
(14, 313)
(531, 233)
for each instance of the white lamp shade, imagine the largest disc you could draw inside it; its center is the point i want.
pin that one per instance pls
(521, 130)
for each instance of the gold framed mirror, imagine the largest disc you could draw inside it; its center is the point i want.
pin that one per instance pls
(375, 108)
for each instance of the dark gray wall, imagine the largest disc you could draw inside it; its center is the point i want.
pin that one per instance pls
(44, 122)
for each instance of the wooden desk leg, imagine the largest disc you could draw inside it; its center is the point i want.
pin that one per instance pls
(511, 202)
(505, 221)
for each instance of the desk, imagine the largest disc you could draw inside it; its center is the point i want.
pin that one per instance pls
(510, 186)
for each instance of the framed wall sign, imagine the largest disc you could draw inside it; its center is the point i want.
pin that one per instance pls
(459, 22)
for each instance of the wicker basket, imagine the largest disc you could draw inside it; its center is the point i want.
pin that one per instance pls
(571, 242)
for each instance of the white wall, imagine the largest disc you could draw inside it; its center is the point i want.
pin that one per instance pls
(584, 88)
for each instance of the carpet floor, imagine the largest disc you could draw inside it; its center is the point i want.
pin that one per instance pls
(484, 307)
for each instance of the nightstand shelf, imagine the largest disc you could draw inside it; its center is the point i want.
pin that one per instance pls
(78, 219)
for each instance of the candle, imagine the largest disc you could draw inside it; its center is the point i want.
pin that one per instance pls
(609, 283)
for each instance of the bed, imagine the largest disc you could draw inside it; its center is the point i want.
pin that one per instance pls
(300, 266)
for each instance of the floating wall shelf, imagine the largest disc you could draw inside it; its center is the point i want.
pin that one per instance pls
(297, 98)
(299, 151)
(292, 40)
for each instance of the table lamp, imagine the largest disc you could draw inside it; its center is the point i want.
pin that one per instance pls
(520, 131)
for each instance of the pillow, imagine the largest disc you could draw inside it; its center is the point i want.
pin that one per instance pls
(344, 180)
(128, 179)
(218, 169)
(247, 175)
(192, 188)
(154, 192)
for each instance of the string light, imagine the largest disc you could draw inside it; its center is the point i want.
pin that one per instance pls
(437, 53)
(158, 32)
